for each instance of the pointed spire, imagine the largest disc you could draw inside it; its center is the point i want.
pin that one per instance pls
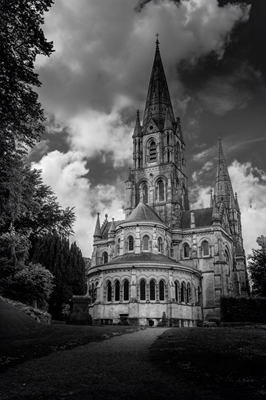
(236, 203)
(179, 130)
(158, 97)
(168, 123)
(97, 232)
(137, 130)
(223, 186)
(112, 227)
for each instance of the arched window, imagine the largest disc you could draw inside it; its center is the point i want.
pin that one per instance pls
(92, 293)
(160, 245)
(152, 290)
(177, 292)
(142, 290)
(130, 243)
(199, 295)
(160, 190)
(145, 193)
(126, 290)
(105, 257)
(226, 256)
(161, 290)
(117, 291)
(186, 250)
(205, 248)
(146, 242)
(118, 247)
(183, 292)
(152, 152)
(188, 293)
(109, 291)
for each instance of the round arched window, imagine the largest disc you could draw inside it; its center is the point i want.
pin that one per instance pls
(205, 248)
(146, 242)
(130, 243)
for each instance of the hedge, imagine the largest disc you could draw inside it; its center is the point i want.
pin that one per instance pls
(242, 309)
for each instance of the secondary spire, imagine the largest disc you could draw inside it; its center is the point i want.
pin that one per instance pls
(223, 186)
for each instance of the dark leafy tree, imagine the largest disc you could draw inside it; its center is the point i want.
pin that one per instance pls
(66, 263)
(21, 40)
(257, 268)
(32, 285)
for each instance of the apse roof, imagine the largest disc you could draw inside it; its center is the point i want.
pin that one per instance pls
(203, 217)
(144, 257)
(143, 212)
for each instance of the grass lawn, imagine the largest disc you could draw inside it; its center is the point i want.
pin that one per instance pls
(22, 338)
(229, 361)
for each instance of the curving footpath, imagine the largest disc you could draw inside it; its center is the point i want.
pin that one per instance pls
(118, 368)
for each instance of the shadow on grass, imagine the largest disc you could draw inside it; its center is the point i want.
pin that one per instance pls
(228, 361)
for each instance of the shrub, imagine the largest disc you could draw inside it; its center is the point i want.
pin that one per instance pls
(242, 309)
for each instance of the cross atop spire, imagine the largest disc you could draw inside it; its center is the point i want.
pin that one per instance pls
(157, 41)
(158, 97)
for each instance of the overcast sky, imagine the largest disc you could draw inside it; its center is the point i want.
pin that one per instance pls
(215, 63)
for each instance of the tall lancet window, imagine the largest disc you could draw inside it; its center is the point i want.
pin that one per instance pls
(152, 151)
(160, 190)
(144, 194)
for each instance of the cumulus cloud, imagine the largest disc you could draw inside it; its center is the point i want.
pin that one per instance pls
(65, 173)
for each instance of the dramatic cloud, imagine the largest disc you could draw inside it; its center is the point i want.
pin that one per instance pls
(65, 174)
(97, 79)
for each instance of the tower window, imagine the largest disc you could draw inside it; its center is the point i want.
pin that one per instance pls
(142, 290)
(130, 243)
(205, 248)
(152, 152)
(146, 242)
(105, 257)
(144, 189)
(152, 290)
(160, 190)
(186, 250)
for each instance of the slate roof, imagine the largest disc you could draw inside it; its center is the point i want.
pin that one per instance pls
(143, 212)
(107, 228)
(144, 257)
(203, 217)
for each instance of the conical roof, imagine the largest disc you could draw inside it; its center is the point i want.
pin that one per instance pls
(223, 186)
(137, 129)
(97, 232)
(143, 212)
(158, 97)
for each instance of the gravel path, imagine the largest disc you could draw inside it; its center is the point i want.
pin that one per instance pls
(118, 368)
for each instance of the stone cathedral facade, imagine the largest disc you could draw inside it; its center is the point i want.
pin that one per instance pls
(164, 263)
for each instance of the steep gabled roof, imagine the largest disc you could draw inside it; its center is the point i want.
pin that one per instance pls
(143, 212)
(203, 217)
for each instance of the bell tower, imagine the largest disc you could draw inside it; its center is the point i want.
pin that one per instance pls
(158, 154)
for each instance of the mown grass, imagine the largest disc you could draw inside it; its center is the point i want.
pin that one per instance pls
(229, 361)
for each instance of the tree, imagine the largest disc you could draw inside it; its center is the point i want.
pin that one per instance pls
(21, 40)
(66, 263)
(257, 267)
(33, 284)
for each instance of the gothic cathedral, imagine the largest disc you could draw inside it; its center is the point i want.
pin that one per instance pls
(165, 264)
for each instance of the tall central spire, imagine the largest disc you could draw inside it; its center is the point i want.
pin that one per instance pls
(158, 97)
